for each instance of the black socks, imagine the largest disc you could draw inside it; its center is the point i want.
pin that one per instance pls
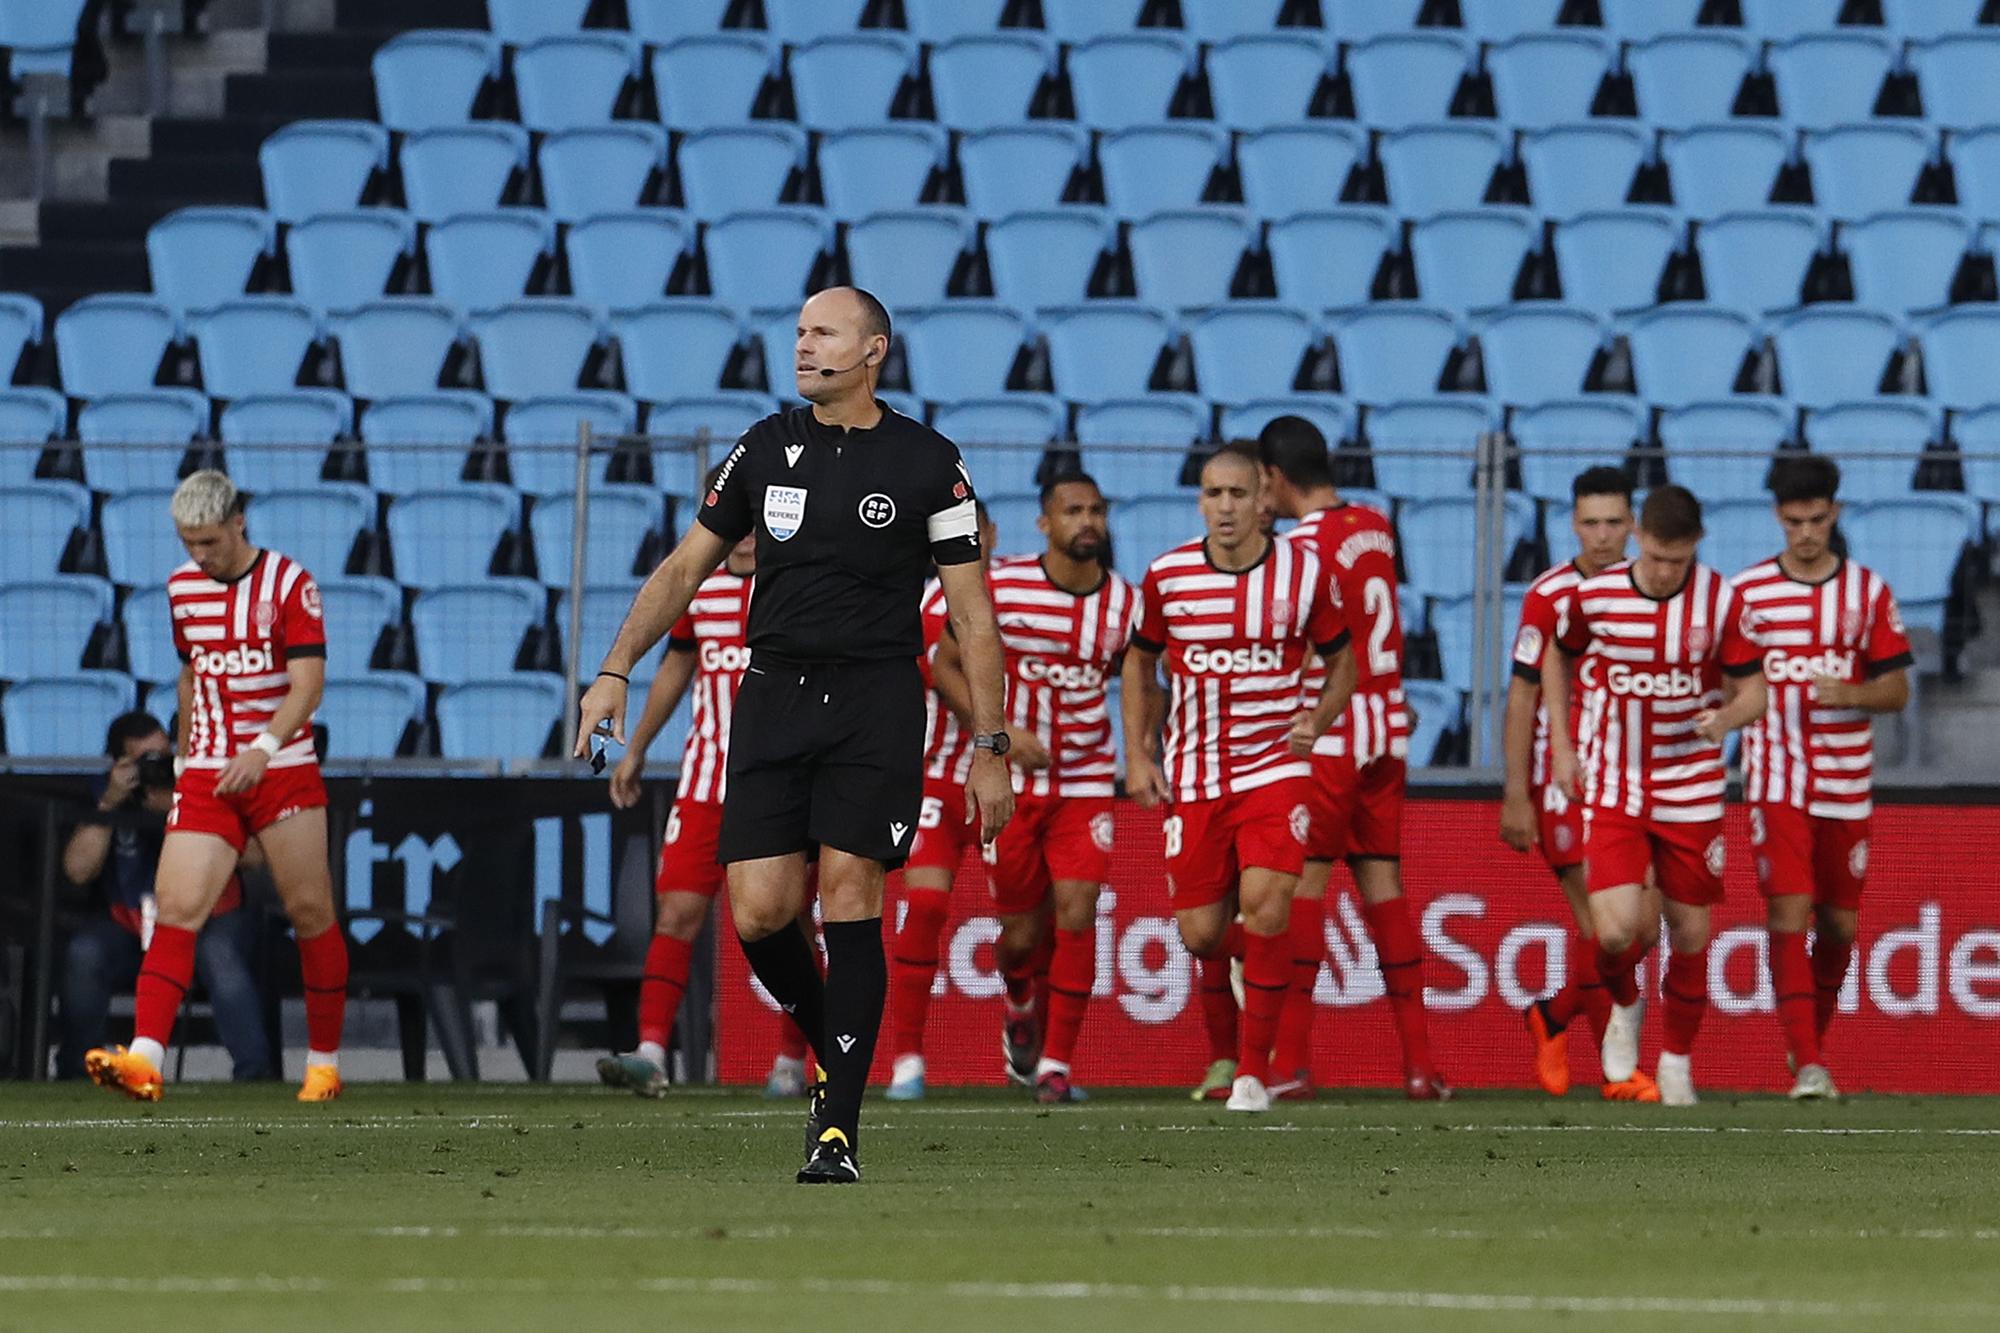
(857, 981)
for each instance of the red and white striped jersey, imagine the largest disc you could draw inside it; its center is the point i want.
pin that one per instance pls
(715, 629)
(947, 745)
(1062, 651)
(1820, 760)
(1542, 608)
(1648, 667)
(1235, 646)
(1356, 547)
(237, 638)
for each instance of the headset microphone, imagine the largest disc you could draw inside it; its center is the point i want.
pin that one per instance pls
(830, 372)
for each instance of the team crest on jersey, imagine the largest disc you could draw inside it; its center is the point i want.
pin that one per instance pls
(309, 599)
(264, 616)
(1763, 870)
(1895, 616)
(1857, 859)
(784, 511)
(1850, 626)
(1100, 830)
(1528, 646)
(1699, 641)
(1716, 856)
(1281, 612)
(1301, 823)
(1565, 838)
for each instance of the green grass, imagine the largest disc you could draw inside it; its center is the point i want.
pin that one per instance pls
(438, 1208)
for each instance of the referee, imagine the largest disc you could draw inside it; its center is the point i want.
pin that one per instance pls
(851, 503)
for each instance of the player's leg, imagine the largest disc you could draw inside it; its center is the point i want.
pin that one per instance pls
(222, 960)
(1617, 857)
(926, 882)
(685, 884)
(1688, 862)
(1076, 849)
(766, 895)
(788, 1067)
(1291, 1057)
(1581, 994)
(1017, 878)
(1375, 847)
(1781, 840)
(1266, 896)
(1834, 930)
(1201, 888)
(1840, 868)
(296, 850)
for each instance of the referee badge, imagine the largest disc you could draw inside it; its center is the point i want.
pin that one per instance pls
(784, 511)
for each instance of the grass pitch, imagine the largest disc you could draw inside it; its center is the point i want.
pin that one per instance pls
(436, 1208)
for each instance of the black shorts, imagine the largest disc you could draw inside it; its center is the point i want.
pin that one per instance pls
(828, 754)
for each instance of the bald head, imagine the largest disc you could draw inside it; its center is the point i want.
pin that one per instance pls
(845, 331)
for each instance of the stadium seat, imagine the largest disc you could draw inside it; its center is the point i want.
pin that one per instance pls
(1155, 421)
(65, 716)
(674, 348)
(1559, 439)
(1265, 80)
(1925, 20)
(1128, 80)
(1613, 260)
(201, 257)
(711, 82)
(1960, 77)
(1450, 619)
(254, 344)
(906, 258)
(600, 169)
(573, 81)
(732, 170)
(1104, 349)
(450, 536)
(1685, 79)
(850, 81)
(776, 333)
(278, 441)
(315, 527)
(1830, 78)
(1757, 262)
(962, 350)
(1143, 528)
(1044, 258)
(1975, 159)
(1014, 520)
(1977, 434)
(1434, 168)
(1157, 167)
(1849, 433)
(1217, 21)
(1425, 448)
(1298, 168)
(1779, 20)
(1498, 21)
(536, 345)
(29, 418)
(470, 630)
(1188, 257)
(722, 414)
(553, 423)
(1248, 349)
(41, 518)
(1436, 550)
(64, 611)
(603, 614)
(1915, 543)
(1435, 709)
(1717, 169)
(864, 171)
(622, 517)
(1545, 79)
(1020, 167)
(621, 260)
(1394, 351)
(1724, 447)
(418, 442)
(1333, 415)
(1962, 356)
(112, 343)
(365, 717)
(797, 22)
(1354, 21)
(939, 21)
(1406, 79)
(764, 258)
(1685, 352)
(1642, 20)
(320, 166)
(1575, 169)
(149, 634)
(360, 606)
(1002, 438)
(519, 22)
(1073, 21)
(462, 168)
(40, 39)
(166, 419)
(985, 81)
(432, 77)
(1829, 354)
(506, 719)
(341, 260)
(140, 544)
(1905, 260)
(1468, 260)
(1329, 259)
(20, 328)
(1863, 169)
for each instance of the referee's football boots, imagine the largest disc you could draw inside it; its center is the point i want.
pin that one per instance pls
(831, 1161)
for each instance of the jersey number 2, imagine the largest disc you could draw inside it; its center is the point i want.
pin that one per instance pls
(1379, 602)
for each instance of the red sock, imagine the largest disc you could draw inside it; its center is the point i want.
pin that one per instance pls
(1267, 972)
(1619, 972)
(662, 985)
(1295, 1024)
(1072, 972)
(1686, 1001)
(164, 978)
(1038, 965)
(323, 970)
(1792, 980)
(1582, 991)
(1830, 962)
(791, 1039)
(1400, 953)
(1218, 1006)
(913, 965)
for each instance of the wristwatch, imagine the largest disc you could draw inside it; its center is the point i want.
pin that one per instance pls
(999, 742)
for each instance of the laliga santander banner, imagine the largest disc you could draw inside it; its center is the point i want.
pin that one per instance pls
(1920, 1013)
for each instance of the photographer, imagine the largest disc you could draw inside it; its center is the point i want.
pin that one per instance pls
(114, 853)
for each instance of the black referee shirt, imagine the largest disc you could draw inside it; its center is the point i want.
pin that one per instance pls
(848, 523)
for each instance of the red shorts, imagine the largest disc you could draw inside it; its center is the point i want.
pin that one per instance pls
(239, 817)
(687, 853)
(1211, 843)
(1355, 813)
(1049, 838)
(1800, 853)
(1561, 830)
(1686, 859)
(943, 830)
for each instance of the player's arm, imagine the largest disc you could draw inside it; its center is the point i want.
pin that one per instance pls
(990, 788)
(1024, 747)
(1517, 743)
(1558, 674)
(668, 687)
(1743, 700)
(305, 665)
(662, 600)
(1342, 672)
(183, 713)
(1886, 692)
(1144, 704)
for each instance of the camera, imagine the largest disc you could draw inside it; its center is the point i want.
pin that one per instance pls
(156, 771)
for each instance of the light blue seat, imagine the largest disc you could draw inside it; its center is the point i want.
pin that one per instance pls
(366, 717)
(1408, 78)
(1266, 79)
(764, 258)
(418, 442)
(150, 431)
(1915, 544)
(201, 257)
(1499, 21)
(1719, 169)
(1739, 534)
(1724, 447)
(1777, 20)
(29, 418)
(1104, 349)
(1250, 349)
(64, 716)
(507, 719)
(1830, 78)
(320, 166)
(1152, 168)
(1469, 260)
(519, 22)
(432, 77)
(1080, 20)
(1424, 448)
(777, 334)
(1959, 74)
(1394, 351)
(574, 80)
(1019, 167)
(316, 527)
(341, 260)
(1111, 434)
(1147, 525)
(1432, 168)
(1129, 79)
(536, 345)
(1436, 709)
(723, 415)
(358, 608)
(675, 347)
(600, 168)
(1613, 260)
(1328, 259)
(149, 634)
(1298, 168)
(1757, 262)
(796, 22)
(461, 168)
(1358, 20)
(941, 21)
(1333, 415)
(711, 81)
(1905, 260)
(866, 170)
(1849, 433)
(112, 343)
(482, 260)
(20, 328)
(1547, 78)
(465, 631)
(622, 517)
(254, 344)
(1922, 20)
(1559, 439)
(906, 257)
(1863, 169)
(849, 81)
(962, 350)
(1685, 79)
(1043, 258)
(50, 623)
(620, 260)
(1962, 356)
(541, 435)
(1002, 439)
(1641, 20)
(1975, 159)
(1014, 520)
(1576, 169)
(984, 81)
(1217, 21)
(140, 544)
(1977, 434)
(1685, 352)
(278, 441)
(441, 537)
(732, 170)
(1188, 257)
(1829, 354)
(1436, 546)
(603, 615)
(41, 38)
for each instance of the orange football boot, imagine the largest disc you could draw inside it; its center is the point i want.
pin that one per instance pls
(122, 1071)
(1551, 1052)
(1638, 1088)
(322, 1084)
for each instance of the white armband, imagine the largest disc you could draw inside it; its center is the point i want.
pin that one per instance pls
(961, 520)
(268, 743)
